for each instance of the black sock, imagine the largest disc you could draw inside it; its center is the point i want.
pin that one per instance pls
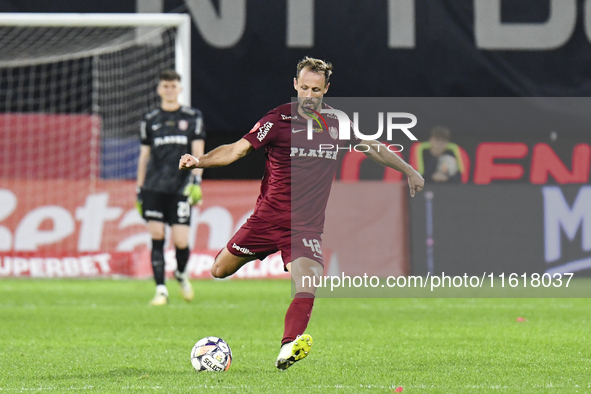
(182, 258)
(158, 260)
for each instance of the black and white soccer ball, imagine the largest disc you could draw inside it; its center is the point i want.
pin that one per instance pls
(211, 354)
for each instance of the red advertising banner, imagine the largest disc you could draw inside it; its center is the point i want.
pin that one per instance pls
(74, 228)
(48, 146)
(83, 217)
(132, 264)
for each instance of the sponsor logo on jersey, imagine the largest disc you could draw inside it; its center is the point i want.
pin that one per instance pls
(183, 125)
(264, 130)
(171, 139)
(256, 126)
(242, 250)
(156, 126)
(294, 131)
(285, 117)
(321, 153)
(317, 117)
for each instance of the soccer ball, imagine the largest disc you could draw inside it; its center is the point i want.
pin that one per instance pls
(211, 354)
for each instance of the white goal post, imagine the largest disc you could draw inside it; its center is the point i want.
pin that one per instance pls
(91, 71)
(73, 91)
(182, 23)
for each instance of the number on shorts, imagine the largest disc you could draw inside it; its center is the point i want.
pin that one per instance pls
(184, 209)
(312, 244)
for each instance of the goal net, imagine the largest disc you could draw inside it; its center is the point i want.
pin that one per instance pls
(73, 89)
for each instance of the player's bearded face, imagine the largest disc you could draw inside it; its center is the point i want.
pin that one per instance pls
(169, 90)
(311, 88)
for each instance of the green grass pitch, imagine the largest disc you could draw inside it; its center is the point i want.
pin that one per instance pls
(101, 336)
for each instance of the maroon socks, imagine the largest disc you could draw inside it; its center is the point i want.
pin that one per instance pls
(297, 316)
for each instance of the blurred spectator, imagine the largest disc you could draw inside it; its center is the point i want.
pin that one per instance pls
(440, 157)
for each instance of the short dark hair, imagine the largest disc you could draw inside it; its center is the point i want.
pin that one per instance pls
(315, 65)
(170, 75)
(441, 133)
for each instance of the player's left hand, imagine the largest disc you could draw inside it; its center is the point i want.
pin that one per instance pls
(139, 201)
(194, 193)
(415, 183)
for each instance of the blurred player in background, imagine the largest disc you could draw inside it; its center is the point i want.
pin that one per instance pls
(165, 194)
(289, 213)
(440, 157)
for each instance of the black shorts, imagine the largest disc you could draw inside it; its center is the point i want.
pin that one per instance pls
(170, 208)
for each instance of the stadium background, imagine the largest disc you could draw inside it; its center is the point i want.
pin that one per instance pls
(242, 65)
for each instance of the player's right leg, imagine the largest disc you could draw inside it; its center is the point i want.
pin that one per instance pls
(305, 262)
(227, 264)
(180, 238)
(254, 240)
(295, 344)
(156, 229)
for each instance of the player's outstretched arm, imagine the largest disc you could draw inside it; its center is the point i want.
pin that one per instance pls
(219, 157)
(379, 153)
